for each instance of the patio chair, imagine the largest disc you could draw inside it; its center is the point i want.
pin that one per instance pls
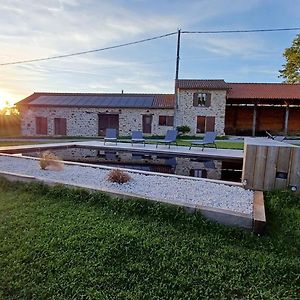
(137, 137)
(110, 135)
(209, 139)
(169, 138)
(279, 138)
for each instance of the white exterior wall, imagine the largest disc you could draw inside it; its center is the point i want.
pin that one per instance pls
(186, 113)
(84, 121)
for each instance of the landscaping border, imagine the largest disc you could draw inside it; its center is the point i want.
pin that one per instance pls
(259, 215)
(222, 216)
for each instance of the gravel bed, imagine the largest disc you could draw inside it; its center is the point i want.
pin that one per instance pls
(153, 186)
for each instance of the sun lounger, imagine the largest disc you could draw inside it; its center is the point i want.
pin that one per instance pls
(279, 138)
(110, 135)
(209, 139)
(169, 138)
(137, 137)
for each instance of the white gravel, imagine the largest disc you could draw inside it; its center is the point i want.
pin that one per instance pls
(153, 186)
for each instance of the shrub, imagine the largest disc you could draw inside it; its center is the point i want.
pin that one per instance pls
(50, 161)
(118, 176)
(183, 129)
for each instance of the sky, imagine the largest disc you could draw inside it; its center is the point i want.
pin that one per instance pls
(36, 29)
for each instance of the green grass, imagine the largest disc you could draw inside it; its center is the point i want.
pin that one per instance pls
(20, 143)
(58, 243)
(220, 144)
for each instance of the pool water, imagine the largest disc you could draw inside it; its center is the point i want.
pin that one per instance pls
(170, 164)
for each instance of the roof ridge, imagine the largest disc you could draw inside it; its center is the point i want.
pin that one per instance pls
(99, 94)
(266, 83)
(218, 79)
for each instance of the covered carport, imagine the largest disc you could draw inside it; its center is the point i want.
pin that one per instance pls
(253, 108)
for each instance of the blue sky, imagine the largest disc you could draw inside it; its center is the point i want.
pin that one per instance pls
(32, 29)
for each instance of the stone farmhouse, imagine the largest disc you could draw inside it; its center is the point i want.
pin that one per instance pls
(203, 105)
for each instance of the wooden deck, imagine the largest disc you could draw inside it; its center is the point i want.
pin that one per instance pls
(228, 154)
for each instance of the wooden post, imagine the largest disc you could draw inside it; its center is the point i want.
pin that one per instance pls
(259, 215)
(177, 55)
(286, 119)
(254, 119)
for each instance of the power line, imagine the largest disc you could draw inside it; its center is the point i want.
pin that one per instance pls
(88, 51)
(242, 31)
(147, 40)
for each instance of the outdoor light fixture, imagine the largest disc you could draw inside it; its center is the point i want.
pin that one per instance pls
(293, 188)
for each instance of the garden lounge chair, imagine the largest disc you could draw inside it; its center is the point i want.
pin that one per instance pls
(169, 138)
(209, 139)
(110, 135)
(278, 138)
(137, 137)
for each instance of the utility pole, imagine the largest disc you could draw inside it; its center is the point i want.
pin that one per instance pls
(175, 123)
(178, 56)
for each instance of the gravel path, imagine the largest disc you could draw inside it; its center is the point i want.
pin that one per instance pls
(160, 187)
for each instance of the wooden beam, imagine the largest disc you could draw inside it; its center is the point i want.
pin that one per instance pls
(286, 119)
(254, 119)
(259, 215)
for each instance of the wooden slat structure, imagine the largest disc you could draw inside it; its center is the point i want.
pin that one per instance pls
(253, 108)
(270, 164)
(259, 215)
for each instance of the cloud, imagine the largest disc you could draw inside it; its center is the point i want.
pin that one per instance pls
(36, 29)
(250, 46)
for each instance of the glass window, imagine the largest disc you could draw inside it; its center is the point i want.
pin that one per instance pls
(165, 120)
(201, 99)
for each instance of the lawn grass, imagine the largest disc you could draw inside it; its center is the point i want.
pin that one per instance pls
(58, 243)
(220, 144)
(19, 143)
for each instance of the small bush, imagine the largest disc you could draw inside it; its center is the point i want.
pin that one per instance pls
(118, 176)
(183, 129)
(50, 161)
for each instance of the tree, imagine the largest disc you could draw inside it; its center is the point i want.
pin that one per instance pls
(291, 69)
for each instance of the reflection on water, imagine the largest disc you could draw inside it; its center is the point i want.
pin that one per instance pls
(170, 164)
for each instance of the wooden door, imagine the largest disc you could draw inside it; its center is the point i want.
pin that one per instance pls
(41, 125)
(147, 123)
(107, 121)
(60, 126)
(200, 124)
(210, 124)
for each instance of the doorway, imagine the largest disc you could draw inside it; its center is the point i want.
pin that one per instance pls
(147, 123)
(107, 121)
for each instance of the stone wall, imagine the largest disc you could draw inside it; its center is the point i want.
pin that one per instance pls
(185, 165)
(84, 121)
(186, 113)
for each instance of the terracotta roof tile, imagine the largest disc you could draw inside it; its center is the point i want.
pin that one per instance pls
(164, 101)
(263, 91)
(210, 84)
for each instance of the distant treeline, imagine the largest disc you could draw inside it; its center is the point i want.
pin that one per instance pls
(10, 125)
